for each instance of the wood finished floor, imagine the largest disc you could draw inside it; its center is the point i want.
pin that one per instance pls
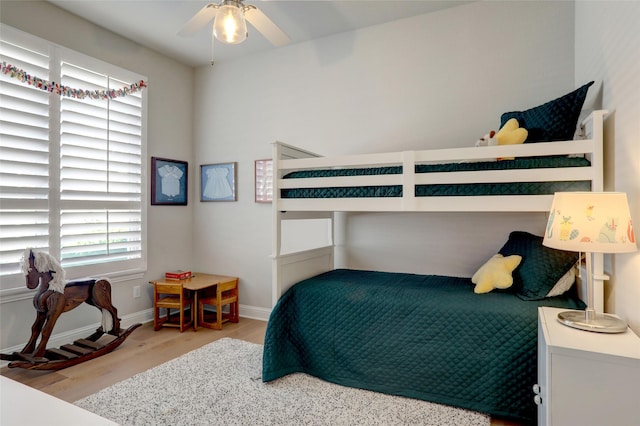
(143, 350)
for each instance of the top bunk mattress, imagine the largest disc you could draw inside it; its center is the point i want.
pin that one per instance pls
(461, 189)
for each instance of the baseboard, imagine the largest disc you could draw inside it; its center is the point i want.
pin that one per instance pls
(254, 312)
(126, 321)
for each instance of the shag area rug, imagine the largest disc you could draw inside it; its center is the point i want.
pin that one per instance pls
(220, 383)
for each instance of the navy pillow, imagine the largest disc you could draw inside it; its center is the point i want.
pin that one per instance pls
(541, 266)
(555, 120)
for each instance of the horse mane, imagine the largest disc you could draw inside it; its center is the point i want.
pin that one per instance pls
(44, 263)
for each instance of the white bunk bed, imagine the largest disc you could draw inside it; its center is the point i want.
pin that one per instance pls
(289, 268)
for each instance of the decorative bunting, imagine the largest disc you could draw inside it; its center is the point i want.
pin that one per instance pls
(53, 87)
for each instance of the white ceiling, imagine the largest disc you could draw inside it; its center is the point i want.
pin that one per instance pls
(155, 23)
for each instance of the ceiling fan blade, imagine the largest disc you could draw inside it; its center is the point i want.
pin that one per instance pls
(199, 20)
(266, 27)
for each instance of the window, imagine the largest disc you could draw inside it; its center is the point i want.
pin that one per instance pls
(71, 170)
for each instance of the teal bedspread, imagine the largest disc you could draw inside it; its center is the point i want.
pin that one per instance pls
(420, 336)
(515, 188)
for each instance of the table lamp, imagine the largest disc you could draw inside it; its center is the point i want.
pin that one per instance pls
(590, 222)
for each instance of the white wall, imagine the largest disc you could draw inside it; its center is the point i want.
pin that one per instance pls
(436, 80)
(608, 50)
(169, 131)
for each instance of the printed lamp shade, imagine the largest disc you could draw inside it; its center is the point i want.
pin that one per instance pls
(591, 222)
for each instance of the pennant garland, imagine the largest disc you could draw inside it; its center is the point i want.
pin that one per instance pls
(53, 87)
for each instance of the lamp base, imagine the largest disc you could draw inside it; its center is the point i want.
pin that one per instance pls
(602, 323)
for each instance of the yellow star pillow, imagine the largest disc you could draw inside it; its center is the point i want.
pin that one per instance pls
(496, 273)
(511, 134)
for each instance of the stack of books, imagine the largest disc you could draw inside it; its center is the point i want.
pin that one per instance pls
(177, 275)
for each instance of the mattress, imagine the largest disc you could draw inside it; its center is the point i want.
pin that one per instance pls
(470, 189)
(420, 336)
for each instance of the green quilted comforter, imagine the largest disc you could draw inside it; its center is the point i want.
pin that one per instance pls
(420, 336)
(515, 188)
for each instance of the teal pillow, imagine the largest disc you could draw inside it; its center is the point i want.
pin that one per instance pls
(555, 120)
(541, 267)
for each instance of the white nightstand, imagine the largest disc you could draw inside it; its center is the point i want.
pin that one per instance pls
(586, 378)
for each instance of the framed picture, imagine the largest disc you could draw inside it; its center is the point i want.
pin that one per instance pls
(169, 180)
(264, 181)
(218, 182)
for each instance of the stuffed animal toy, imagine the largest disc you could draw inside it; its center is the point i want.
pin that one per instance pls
(510, 134)
(488, 139)
(496, 273)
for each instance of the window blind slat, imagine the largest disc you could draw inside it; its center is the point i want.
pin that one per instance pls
(25, 169)
(36, 107)
(22, 53)
(24, 131)
(91, 198)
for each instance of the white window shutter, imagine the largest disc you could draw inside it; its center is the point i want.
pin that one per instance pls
(100, 172)
(71, 170)
(24, 156)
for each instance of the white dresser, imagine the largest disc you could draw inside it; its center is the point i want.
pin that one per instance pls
(586, 378)
(22, 405)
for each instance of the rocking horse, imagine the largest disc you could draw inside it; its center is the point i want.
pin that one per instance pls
(54, 297)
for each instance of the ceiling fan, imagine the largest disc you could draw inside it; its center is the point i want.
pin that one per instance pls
(229, 23)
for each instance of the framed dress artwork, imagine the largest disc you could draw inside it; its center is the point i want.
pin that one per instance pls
(218, 182)
(169, 179)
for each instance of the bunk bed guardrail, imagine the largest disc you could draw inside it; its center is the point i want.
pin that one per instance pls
(292, 267)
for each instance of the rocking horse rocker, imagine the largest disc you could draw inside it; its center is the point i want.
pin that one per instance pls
(54, 297)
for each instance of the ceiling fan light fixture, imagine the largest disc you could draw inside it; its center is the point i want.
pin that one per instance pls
(229, 25)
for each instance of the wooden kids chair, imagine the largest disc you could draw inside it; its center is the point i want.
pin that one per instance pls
(172, 296)
(224, 293)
